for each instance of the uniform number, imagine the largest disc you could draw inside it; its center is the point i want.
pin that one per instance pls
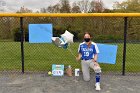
(86, 54)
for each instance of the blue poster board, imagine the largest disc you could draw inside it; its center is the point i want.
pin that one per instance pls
(57, 70)
(107, 53)
(40, 33)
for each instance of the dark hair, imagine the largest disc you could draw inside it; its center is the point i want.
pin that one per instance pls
(88, 33)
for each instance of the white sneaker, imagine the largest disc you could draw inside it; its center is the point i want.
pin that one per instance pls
(97, 85)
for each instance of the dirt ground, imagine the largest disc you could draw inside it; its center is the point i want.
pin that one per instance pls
(42, 83)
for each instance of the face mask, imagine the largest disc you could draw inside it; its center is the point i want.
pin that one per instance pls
(87, 39)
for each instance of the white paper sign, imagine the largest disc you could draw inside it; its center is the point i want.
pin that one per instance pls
(57, 70)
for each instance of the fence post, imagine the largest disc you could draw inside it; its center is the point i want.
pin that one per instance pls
(124, 47)
(22, 43)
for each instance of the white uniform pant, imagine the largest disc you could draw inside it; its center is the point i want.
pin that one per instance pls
(86, 65)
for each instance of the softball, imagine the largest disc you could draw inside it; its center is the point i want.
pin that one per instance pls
(49, 73)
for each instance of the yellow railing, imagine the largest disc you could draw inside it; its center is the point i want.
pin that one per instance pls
(69, 14)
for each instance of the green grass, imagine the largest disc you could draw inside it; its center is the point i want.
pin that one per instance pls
(40, 57)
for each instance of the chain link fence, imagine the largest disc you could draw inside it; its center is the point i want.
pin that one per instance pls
(10, 54)
(40, 57)
(133, 46)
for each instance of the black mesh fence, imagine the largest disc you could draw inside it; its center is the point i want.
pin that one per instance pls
(10, 54)
(39, 57)
(133, 46)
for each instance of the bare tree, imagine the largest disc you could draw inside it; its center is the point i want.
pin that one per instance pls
(43, 10)
(24, 10)
(84, 6)
(54, 9)
(65, 6)
(99, 6)
(87, 6)
(75, 8)
(50, 9)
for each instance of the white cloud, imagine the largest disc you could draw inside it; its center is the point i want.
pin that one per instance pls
(14, 5)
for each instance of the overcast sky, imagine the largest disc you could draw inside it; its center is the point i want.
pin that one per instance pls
(14, 5)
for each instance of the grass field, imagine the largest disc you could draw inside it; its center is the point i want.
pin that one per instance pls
(40, 57)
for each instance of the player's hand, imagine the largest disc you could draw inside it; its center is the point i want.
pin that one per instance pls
(95, 62)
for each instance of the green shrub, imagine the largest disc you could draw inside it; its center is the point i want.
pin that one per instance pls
(17, 34)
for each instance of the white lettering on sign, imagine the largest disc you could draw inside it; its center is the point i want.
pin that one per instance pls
(87, 49)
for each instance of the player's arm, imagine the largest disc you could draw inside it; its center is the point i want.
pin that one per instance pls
(96, 51)
(78, 57)
(95, 57)
(79, 54)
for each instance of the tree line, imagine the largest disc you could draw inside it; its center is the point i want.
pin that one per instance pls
(87, 6)
(102, 28)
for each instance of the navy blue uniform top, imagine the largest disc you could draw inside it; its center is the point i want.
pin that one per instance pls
(88, 52)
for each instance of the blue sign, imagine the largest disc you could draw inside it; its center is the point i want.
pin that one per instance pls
(107, 53)
(40, 33)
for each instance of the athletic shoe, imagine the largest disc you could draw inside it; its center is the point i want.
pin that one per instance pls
(97, 86)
